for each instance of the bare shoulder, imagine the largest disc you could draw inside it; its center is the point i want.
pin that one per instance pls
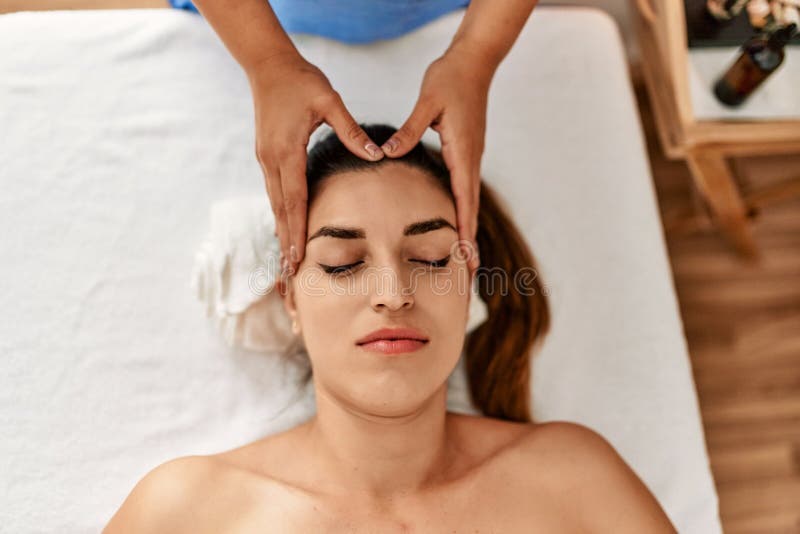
(483, 441)
(164, 499)
(603, 490)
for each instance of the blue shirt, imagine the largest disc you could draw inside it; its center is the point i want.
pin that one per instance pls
(353, 21)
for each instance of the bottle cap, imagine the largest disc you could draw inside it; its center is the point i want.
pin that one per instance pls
(781, 36)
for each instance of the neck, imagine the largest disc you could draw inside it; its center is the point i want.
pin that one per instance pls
(375, 456)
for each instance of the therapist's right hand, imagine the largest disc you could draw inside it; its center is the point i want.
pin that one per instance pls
(292, 98)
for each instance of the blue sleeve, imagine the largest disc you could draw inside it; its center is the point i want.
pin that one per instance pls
(352, 21)
(183, 4)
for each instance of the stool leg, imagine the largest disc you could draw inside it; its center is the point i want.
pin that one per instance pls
(714, 180)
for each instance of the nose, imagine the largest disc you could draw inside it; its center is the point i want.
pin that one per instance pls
(388, 294)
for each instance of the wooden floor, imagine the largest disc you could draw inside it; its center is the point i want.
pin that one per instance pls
(742, 323)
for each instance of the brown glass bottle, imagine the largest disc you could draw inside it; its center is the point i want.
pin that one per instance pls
(760, 57)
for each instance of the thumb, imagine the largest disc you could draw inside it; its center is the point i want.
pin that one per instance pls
(350, 132)
(411, 131)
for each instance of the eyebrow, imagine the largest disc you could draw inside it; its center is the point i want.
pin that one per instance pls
(421, 227)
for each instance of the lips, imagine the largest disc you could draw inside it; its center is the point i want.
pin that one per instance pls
(393, 334)
(393, 340)
(397, 346)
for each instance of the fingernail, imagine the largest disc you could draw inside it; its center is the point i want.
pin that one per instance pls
(373, 149)
(293, 253)
(390, 145)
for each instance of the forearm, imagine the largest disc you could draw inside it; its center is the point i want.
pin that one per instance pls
(490, 28)
(248, 28)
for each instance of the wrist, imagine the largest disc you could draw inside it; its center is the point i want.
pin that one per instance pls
(482, 58)
(271, 64)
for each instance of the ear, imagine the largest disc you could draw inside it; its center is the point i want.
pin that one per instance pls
(286, 290)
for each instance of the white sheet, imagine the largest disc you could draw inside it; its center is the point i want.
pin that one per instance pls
(119, 129)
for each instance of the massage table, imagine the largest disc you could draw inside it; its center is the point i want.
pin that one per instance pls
(118, 131)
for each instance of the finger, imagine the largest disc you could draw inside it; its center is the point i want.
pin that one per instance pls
(350, 132)
(464, 233)
(465, 182)
(410, 133)
(275, 193)
(464, 222)
(476, 200)
(476, 206)
(295, 201)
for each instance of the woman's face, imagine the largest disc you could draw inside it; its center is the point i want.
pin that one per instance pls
(381, 253)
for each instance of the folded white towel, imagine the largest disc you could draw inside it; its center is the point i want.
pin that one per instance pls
(235, 273)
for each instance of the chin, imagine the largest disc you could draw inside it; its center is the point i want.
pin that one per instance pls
(394, 396)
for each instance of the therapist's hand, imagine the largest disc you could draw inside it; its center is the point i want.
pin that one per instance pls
(452, 101)
(292, 98)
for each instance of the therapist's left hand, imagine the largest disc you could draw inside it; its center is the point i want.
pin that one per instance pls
(452, 101)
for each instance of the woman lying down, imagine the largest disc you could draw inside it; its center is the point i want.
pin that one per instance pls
(380, 302)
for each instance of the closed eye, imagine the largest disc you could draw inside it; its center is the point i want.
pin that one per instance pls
(436, 264)
(341, 269)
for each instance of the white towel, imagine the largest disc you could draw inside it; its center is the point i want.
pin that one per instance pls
(235, 273)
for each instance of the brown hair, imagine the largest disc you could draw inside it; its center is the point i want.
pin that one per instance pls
(497, 353)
